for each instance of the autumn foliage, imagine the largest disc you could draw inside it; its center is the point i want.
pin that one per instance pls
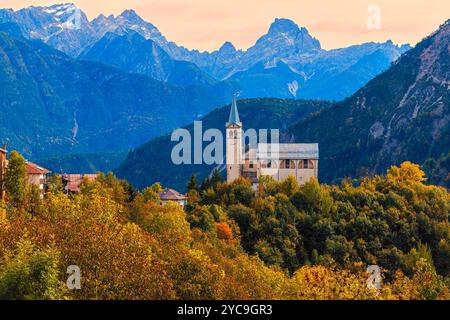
(284, 242)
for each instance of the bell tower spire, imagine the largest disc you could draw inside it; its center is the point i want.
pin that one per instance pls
(234, 143)
(234, 113)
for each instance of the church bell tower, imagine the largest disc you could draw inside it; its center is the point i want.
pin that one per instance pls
(234, 157)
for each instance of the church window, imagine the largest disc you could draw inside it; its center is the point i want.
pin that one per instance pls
(305, 164)
(288, 164)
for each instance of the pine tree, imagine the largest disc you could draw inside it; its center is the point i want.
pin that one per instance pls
(193, 184)
(206, 184)
(16, 179)
(216, 178)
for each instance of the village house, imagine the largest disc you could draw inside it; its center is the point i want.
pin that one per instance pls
(36, 175)
(281, 160)
(72, 182)
(174, 196)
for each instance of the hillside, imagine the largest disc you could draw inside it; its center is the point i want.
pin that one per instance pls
(51, 104)
(83, 162)
(133, 53)
(403, 114)
(151, 162)
(311, 242)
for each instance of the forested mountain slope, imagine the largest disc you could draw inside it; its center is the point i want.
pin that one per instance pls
(403, 114)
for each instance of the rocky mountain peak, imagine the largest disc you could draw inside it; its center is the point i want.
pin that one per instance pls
(227, 47)
(281, 25)
(131, 16)
(59, 10)
(284, 39)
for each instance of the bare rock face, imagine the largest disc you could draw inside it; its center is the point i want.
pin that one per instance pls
(428, 93)
(376, 130)
(63, 26)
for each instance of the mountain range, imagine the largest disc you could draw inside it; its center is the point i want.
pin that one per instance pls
(80, 92)
(402, 114)
(287, 55)
(52, 104)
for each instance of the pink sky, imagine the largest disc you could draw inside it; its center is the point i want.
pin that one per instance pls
(206, 24)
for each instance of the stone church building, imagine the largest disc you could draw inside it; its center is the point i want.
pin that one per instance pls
(280, 160)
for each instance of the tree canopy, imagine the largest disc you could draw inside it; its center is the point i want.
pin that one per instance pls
(285, 241)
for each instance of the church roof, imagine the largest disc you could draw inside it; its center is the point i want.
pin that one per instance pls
(288, 151)
(234, 114)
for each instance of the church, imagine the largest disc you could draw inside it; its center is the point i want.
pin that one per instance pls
(278, 160)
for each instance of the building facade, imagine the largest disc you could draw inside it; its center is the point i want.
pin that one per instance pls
(278, 160)
(36, 176)
(173, 196)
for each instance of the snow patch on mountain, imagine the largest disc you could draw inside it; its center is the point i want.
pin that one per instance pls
(293, 88)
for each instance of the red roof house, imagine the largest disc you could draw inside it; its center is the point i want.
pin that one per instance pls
(172, 195)
(73, 181)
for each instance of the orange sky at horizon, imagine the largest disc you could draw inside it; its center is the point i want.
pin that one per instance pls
(206, 24)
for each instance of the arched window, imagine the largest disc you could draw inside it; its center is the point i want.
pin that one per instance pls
(271, 164)
(305, 164)
(287, 164)
(290, 164)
